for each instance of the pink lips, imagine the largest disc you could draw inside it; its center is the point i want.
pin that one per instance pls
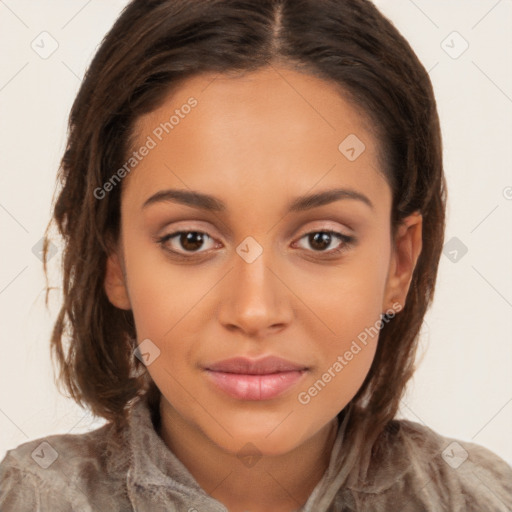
(261, 379)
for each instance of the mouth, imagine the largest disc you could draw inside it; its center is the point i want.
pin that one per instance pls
(255, 379)
(255, 386)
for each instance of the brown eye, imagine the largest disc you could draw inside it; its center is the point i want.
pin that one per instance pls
(183, 242)
(319, 241)
(191, 241)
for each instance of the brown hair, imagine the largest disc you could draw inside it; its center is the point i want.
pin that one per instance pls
(155, 45)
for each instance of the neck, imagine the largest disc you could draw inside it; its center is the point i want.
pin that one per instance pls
(273, 482)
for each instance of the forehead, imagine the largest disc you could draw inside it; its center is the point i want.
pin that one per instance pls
(273, 131)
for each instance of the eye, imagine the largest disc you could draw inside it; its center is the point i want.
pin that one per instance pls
(322, 239)
(189, 241)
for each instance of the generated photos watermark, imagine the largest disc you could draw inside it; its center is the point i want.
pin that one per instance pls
(304, 397)
(157, 135)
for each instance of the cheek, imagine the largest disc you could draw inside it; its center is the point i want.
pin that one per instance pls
(347, 297)
(348, 302)
(166, 303)
(330, 389)
(345, 350)
(171, 303)
(161, 291)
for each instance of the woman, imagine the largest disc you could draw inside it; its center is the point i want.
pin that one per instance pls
(253, 208)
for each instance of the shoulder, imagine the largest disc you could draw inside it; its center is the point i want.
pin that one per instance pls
(415, 468)
(60, 472)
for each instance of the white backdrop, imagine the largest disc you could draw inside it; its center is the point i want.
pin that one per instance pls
(463, 385)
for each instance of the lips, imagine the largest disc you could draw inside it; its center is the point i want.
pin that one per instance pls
(250, 379)
(262, 366)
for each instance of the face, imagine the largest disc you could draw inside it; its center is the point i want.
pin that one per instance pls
(256, 270)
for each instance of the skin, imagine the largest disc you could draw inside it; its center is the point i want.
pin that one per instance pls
(256, 142)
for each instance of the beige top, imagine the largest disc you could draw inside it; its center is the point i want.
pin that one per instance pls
(413, 469)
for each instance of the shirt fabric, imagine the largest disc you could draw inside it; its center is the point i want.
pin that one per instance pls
(411, 469)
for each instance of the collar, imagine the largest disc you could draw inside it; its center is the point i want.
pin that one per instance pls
(156, 477)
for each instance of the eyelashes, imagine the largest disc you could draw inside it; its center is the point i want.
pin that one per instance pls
(193, 238)
(346, 240)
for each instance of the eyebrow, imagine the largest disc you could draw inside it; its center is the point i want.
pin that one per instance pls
(207, 202)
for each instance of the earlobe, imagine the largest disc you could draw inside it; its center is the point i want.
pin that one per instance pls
(405, 254)
(115, 283)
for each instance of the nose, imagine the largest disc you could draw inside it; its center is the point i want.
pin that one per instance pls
(255, 298)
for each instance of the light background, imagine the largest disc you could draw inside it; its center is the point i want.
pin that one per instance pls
(463, 385)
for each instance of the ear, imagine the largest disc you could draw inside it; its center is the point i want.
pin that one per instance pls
(115, 281)
(405, 253)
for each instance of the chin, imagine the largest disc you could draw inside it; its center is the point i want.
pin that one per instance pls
(269, 440)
